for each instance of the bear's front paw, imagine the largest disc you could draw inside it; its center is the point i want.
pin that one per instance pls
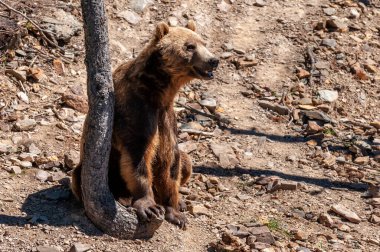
(182, 205)
(175, 217)
(147, 208)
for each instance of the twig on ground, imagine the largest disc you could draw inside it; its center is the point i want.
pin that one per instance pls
(311, 57)
(214, 117)
(44, 37)
(197, 132)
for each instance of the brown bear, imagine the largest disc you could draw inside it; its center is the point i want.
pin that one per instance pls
(146, 168)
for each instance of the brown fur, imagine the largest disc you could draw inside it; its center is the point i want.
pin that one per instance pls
(146, 168)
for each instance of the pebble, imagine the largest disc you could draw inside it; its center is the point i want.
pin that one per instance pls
(42, 175)
(25, 125)
(198, 210)
(362, 160)
(282, 110)
(300, 235)
(346, 213)
(260, 3)
(329, 11)
(329, 42)
(262, 234)
(172, 21)
(326, 220)
(14, 169)
(47, 249)
(354, 13)
(209, 103)
(130, 16)
(328, 95)
(79, 247)
(72, 159)
(23, 97)
(223, 6)
(139, 6)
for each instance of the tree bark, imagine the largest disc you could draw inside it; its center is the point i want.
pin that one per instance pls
(100, 206)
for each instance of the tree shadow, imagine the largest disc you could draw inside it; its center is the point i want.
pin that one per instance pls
(54, 206)
(272, 137)
(322, 182)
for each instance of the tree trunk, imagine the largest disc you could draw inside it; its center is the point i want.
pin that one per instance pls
(99, 204)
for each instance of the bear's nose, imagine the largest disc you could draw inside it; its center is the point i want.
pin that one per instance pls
(213, 62)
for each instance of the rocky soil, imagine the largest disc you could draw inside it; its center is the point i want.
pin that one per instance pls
(296, 168)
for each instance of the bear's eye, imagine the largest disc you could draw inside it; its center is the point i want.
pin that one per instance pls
(190, 47)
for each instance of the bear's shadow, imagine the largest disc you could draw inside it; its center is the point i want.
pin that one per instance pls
(54, 206)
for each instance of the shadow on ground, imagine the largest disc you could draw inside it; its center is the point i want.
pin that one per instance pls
(54, 206)
(271, 137)
(322, 182)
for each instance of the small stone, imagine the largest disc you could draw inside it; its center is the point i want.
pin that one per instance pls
(250, 240)
(188, 146)
(76, 102)
(172, 21)
(42, 175)
(209, 103)
(347, 214)
(56, 176)
(260, 3)
(302, 73)
(47, 249)
(226, 55)
(23, 97)
(282, 110)
(184, 190)
(79, 247)
(262, 234)
(198, 210)
(25, 164)
(329, 42)
(26, 157)
(139, 6)
(362, 160)
(354, 13)
(130, 16)
(326, 220)
(14, 169)
(329, 11)
(214, 180)
(313, 127)
(336, 24)
(328, 95)
(329, 160)
(322, 65)
(300, 235)
(25, 125)
(223, 6)
(316, 115)
(72, 159)
(33, 149)
(59, 67)
(284, 185)
(36, 74)
(374, 219)
(305, 101)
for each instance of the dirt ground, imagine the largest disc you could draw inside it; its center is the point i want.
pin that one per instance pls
(302, 143)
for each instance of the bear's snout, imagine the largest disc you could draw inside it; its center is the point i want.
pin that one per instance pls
(213, 62)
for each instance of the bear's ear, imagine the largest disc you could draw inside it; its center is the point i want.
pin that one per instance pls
(191, 25)
(161, 30)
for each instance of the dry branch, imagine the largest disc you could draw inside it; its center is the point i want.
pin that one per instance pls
(217, 118)
(311, 58)
(44, 37)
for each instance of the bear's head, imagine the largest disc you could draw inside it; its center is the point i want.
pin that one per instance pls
(183, 52)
